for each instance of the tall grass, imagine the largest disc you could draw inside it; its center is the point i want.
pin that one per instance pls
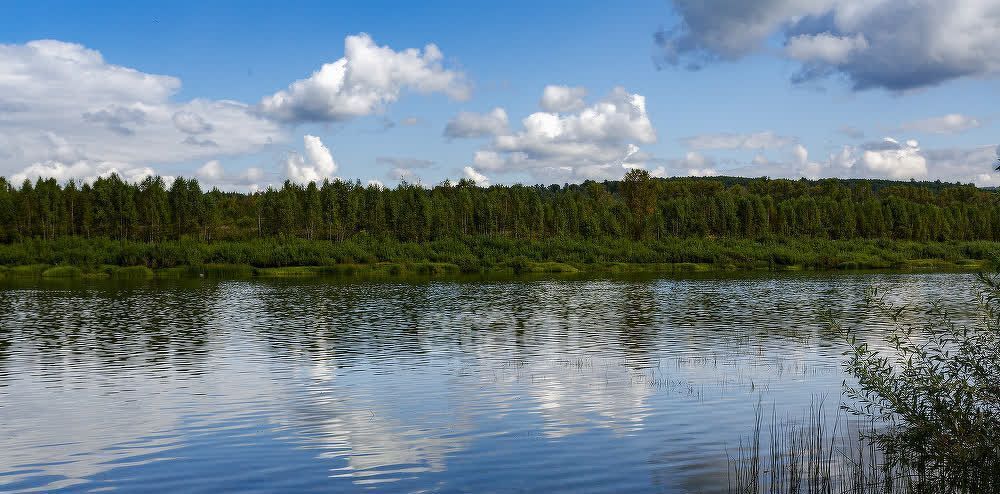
(484, 253)
(931, 399)
(798, 456)
(817, 455)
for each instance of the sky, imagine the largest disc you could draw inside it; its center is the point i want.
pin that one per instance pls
(245, 95)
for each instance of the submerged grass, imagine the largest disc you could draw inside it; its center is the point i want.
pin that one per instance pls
(817, 455)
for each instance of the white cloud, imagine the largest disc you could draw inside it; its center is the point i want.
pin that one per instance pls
(317, 165)
(480, 179)
(968, 165)
(75, 113)
(213, 175)
(758, 140)
(896, 160)
(599, 141)
(83, 170)
(319, 155)
(469, 125)
(562, 99)
(874, 43)
(210, 171)
(824, 47)
(367, 78)
(702, 172)
(802, 166)
(953, 123)
(191, 123)
(251, 175)
(887, 158)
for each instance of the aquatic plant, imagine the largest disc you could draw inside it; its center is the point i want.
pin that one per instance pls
(930, 400)
(936, 391)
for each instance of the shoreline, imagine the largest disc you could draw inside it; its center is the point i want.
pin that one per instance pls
(390, 270)
(370, 257)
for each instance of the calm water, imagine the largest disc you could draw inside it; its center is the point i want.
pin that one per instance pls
(551, 385)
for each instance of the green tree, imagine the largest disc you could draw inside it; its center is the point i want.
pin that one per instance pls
(639, 193)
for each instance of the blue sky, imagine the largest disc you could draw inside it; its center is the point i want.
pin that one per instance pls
(781, 88)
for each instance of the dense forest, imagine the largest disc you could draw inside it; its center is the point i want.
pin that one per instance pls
(638, 207)
(638, 222)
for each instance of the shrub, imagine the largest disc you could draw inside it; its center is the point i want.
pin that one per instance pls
(936, 390)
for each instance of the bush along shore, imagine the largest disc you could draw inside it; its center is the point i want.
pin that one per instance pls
(364, 255)
(920, 413)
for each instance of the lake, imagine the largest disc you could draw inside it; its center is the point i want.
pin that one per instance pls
(554, 385)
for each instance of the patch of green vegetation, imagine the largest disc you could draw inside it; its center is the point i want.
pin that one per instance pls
(925, 264)
(548, 267)
(691, 267)
(365, 255)
(132, 273)
(62, 272)
(173, 272)
(220, 270)
(971, 263)
(289, 272)
(25, 271)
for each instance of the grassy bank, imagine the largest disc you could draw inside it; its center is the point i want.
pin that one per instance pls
(364, 255)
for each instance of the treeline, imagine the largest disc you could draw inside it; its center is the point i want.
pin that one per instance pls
(638, 207)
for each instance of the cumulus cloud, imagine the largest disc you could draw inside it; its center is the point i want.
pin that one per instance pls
(191, 123)
(469, 125)
(117, 118)
(803, 167)
(83, 170)
(967, 165)
(210, 171)
(562, 98)
(873, 43)
(598, 141)
(889, 158)
(471, 174)
(367, 78)
(78, 115)
(952, 123)
(213, 175)
(758, 140)
(315, 166)
(824, 47)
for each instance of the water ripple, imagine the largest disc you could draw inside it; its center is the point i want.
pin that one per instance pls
(499, 386)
